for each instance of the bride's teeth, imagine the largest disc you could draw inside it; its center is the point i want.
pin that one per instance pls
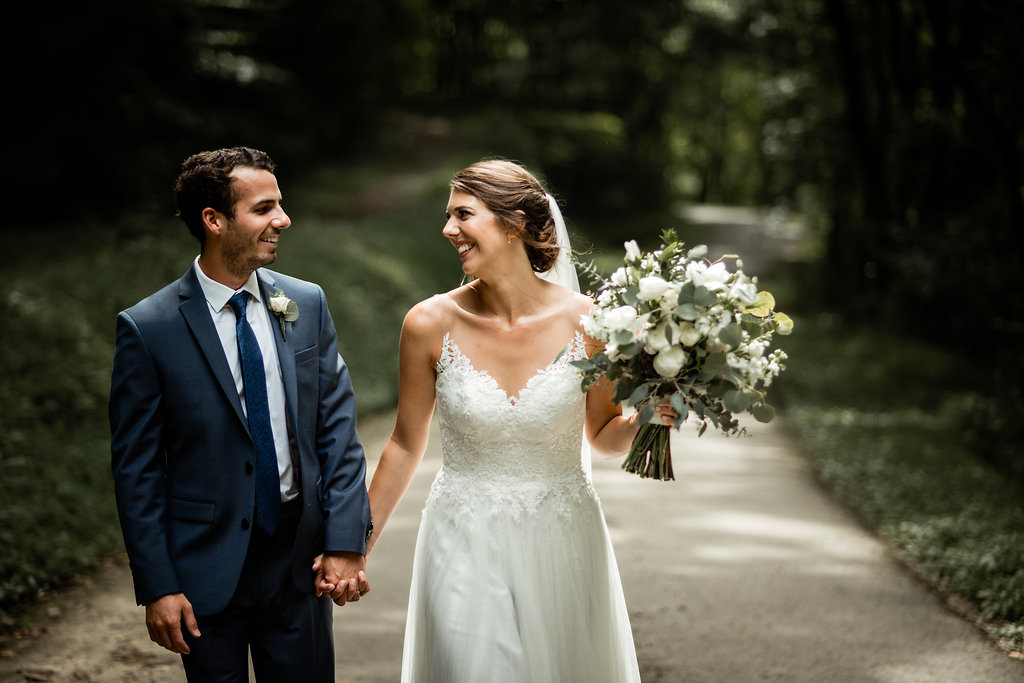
(463, 248)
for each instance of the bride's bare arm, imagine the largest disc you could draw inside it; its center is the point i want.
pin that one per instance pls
(404, 450)
(609, 433)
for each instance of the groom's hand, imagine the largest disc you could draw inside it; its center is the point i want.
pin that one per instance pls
(342, 575)
(163, 619)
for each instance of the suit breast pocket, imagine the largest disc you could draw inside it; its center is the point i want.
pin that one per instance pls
(306, 355)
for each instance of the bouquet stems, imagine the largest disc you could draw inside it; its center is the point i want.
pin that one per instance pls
(651, 453)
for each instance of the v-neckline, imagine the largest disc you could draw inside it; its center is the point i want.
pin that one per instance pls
(448, 343)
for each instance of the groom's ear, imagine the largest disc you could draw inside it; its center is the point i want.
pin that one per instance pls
(213, 220)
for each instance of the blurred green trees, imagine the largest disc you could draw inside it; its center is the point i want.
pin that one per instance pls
(892, 128)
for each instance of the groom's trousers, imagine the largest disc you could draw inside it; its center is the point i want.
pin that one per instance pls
(288, 631)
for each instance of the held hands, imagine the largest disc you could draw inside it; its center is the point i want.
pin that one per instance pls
(163, 619)
(342, 575)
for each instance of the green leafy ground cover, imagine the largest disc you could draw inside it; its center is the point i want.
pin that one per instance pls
(885, 420)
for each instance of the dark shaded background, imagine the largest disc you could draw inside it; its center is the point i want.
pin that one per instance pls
(893, 129)
(887, 132)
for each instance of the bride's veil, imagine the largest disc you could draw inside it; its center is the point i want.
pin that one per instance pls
(564, 273)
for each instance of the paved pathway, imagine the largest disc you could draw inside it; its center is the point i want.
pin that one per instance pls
(741, 570)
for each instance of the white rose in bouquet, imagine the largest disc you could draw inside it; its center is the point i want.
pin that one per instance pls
(670, 361)
(652, 287)
(620, 318)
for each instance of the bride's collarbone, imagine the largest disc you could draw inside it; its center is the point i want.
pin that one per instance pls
(513, 356)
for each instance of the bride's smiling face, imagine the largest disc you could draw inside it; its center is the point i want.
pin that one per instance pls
(474, 231)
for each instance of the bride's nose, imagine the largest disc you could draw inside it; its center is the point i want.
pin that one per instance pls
(450, 229)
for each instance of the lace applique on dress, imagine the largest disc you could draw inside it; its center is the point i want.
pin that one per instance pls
(505, 455)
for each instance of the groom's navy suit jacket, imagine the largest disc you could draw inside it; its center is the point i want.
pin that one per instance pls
(182, 458)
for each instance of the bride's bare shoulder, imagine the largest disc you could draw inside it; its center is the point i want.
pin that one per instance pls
(579, 304)
(429, 318)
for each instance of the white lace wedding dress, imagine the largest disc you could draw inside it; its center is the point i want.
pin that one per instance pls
(514, 578)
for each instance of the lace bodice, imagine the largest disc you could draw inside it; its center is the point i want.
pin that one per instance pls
(507, 454)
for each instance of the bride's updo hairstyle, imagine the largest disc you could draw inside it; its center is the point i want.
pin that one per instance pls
(506, 188)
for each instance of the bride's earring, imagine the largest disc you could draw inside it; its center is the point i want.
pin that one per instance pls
(510, 239)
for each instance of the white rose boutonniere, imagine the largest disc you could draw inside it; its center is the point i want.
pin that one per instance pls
(284, 309)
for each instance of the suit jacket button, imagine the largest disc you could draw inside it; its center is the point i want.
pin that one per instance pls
(248, 468)
(245, 524)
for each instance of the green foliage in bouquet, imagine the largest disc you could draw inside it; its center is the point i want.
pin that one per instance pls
(681, 329)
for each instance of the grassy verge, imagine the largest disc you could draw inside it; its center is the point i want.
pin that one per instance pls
(57, 512)
(883, 420)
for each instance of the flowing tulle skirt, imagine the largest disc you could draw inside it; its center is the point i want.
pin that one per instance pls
(517, 596)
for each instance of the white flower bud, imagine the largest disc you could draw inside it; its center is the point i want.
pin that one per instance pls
(632, 250)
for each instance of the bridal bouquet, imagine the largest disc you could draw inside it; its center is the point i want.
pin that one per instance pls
(682, 329)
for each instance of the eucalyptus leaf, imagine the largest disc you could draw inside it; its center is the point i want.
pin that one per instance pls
(646, 413)
(630, 349)
(783, 323)
(763, 412)
(687, 312)
(639, 394)
(764, 306)
(715, 363)
(623, 337)
(679, 405)
(751, 327)
(731, 335)
(735, 401)
(718, 389)
(686, 293)
(631, 295)
(702, 296)
(623, 389)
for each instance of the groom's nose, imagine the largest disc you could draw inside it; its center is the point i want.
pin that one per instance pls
(281, 221)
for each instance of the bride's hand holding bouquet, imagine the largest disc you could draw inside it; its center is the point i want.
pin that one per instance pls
(685, 330)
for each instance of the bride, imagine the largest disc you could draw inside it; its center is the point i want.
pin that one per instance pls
(514, 578)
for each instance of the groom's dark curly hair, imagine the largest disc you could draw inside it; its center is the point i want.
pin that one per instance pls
(205, 181)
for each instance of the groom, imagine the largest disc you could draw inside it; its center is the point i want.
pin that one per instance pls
(235, 457)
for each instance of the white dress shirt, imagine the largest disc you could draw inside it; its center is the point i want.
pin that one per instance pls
(217, 297)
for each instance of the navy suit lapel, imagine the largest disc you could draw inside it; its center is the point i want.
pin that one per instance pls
(196, 312)
(285, 348)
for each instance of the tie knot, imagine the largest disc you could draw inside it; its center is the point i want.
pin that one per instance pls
(238, 302)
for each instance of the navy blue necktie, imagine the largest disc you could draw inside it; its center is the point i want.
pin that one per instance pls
(268, 480)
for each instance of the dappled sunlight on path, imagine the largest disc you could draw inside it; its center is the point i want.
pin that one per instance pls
(744, 570)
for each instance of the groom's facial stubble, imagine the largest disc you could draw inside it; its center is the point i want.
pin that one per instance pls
(249, 239)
